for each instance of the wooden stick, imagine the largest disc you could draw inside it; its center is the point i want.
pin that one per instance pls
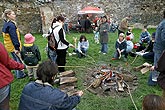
(134, 59)
(88, 86)
(129, 92)
(59, 66)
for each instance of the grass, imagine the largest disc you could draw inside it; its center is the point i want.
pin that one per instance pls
(90, 101)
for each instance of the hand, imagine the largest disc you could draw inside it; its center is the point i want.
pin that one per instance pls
(79, 51)
(152, 68)
(16, 51)
(45, 35)
(71, 45)
(79, 93)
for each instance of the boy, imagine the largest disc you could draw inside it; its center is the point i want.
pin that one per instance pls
(121, 47)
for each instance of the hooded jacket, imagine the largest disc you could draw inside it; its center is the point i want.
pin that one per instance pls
(59, 35)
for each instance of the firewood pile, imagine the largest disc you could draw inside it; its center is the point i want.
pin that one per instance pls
(67, 82)
(111, 81)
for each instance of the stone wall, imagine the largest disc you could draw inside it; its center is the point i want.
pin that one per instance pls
(36, 17)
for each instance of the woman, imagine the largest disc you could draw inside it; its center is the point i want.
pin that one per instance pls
(63, 44)
(52, 55)
(103, 30)
(83, 46)
(12, 38)
(6, 77)
(41, 95)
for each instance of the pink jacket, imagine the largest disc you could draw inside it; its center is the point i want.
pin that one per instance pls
(6, 65)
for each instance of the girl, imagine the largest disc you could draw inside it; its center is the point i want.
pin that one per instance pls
(83, 46)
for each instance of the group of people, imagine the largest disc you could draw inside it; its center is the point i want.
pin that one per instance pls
(28, 56)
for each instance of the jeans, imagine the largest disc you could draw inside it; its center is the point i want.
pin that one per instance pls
(84, 52)
(104, 47)
(4, 97)
(52, 55)
(66, 28)
(154, 74)
(18, 73)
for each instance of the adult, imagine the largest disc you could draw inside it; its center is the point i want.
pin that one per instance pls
(87, 25)
(66, 24)
(41, 95)
(63, 44)
(153, 102)
(12, 38)
(158, 48)
(51, 52)
(123, 26)
(6, 77)
(103, 31)
(160, 67)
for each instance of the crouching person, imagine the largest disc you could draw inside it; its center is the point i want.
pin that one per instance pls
(121, 47)
(83, 46)
(41, 95)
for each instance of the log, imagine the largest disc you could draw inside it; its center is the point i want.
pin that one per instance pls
(66, 88)
(127, 77)
(144, 70)
(120, 88)
(69, 73)
(64, 80)
(138, 68)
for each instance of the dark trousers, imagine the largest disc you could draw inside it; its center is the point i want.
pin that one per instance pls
(61, 59)
(4, 105)
(149, 56)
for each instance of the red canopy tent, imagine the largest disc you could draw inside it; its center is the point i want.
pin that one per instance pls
(90, 10)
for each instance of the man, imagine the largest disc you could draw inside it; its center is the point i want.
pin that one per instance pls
(158, 48)
(123, 26)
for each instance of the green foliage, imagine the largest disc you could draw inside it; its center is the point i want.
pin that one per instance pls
(90, 101)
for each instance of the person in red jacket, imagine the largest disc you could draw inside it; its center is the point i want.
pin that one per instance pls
(6, 77)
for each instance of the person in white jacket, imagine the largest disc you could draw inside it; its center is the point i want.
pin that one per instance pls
(63, 44)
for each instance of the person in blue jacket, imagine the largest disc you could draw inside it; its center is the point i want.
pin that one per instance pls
(41, 95)
(12, 38)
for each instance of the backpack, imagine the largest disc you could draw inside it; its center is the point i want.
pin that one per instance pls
(29, 56)
(52, 43)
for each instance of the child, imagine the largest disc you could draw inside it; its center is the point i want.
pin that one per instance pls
(144, 36)
(148, 53)
(30, 55)
(121, 47)
(96, 35)
(129, 44)
(83, 46)
(129, 33)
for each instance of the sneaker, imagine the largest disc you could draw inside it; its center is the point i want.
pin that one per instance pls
(99, 51)
(70, 54)
(73, 53)
(104, 53)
